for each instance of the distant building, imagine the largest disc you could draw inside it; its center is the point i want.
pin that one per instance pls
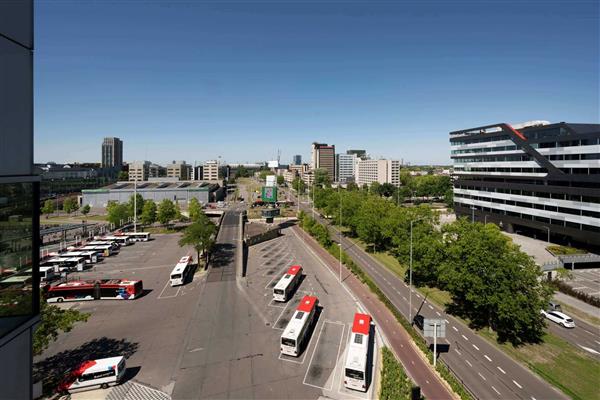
(308, 178)
(210, 171)
(381, 171)
(112, 152)
(180, 170)
(139, 170)
(323, 157)
(289, 176)
(198, 175)
(53, 171)
(361, 154)
(157, 171)
(346, 167)
(538, 178)
(297, 159)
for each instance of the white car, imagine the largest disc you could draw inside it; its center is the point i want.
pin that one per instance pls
(559, 318)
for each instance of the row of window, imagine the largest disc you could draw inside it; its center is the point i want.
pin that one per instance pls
(509, 170)
(537, 206)
(568, 143)
(524, 181)
(545, 195)
(543, 220)
(480, 140)
(595, 156)
(483, 158)
(484, 150)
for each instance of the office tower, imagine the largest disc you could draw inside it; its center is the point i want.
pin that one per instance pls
(112, 152)
(346, 167)
(297, 159)
(381, 171)
(323, 157)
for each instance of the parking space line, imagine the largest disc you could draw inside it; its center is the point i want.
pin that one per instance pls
(273, 302)
(280, 314)
(160, 296)
(305, 350)
(315, 351)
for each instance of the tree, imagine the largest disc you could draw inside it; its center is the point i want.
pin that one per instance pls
(117, 213)
(148, 216)
(194, 209)
(322, 178)
(70, 205)
(242, 172)
(298, 185)
(166, 211)
(280, 180)
(123, 176)
(139, 204)
(48, 207)
(85, 210)
(200, 235)
(351, 186)
(53, 321)
(178, 214)
(263, 174)
(387, 190)
(449, 198)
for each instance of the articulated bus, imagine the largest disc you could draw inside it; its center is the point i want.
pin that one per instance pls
(117, 289)
(355, 368)
(181, 271)
(91, 374)
(297, 332)
(137, 236)
(287, 283)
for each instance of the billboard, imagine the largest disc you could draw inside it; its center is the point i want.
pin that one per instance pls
(269, 194)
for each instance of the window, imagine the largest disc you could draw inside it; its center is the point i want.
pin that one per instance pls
(19, 219)
(358, 339)
(299, 314)
(288, 342)
(354, 374)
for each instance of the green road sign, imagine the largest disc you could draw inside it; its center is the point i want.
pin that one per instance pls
(269, 194)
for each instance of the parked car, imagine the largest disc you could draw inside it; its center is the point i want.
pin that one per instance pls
(554, 306)
(418, 320)
(559, 318)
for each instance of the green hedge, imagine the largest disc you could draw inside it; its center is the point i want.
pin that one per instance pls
(567, 289)
(395, 384)
(333, 249)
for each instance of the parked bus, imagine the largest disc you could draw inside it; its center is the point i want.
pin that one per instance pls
(137, 236)
(182, 269)
(62, 264)
(287, 283)
(90, 374)
(102, 289)
(90, 257)
(355, 368)
(105, 249)
(297, 331)
(47, 273)
(101, 242)
(121, 240)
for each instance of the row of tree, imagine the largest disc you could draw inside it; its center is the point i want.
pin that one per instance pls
(148, 212)
(69, 205)
(491, 282)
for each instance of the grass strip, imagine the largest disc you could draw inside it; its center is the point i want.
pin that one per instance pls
(395, 384)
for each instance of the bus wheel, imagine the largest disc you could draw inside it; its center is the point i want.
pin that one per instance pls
(104, 386)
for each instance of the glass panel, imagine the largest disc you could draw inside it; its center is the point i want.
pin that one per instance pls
(16, 244)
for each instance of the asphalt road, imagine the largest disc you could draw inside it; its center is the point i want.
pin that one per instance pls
(584, 335)
(486, 371)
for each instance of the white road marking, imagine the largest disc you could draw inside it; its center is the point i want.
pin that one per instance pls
(464, 337)
(476, 348)
(487, 358)
(430, 306)
(404, 298)
(482, 377)
(455, 328)
(458, 352)
(467, 361)
(588, 349)
(501, 370)
(315, 350)
(496, 390)
(438, 313)
(517, 383)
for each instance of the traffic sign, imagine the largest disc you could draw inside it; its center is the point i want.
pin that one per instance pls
(440, 327)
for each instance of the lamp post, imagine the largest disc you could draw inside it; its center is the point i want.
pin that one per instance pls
(485, 219)
(340, 230)
(548, 229)
(135, 205)
(410, 270)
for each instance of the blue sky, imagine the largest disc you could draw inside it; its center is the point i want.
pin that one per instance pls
(241, 79)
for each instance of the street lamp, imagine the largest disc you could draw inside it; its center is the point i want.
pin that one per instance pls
(340, 230)
(410, 270)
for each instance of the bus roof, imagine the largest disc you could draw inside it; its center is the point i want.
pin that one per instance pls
(361, 324)
(91, 283)
(181, 265)
(185, 260)
(101, 364)
(287, 278)
(307, 303)
(294, 270)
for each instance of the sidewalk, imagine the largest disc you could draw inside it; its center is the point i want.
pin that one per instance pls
(413, 361)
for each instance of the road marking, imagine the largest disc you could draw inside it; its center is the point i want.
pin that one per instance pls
(496, 390)
(501, 370)
(476, 348)
(467, 361)
(588, 349)
(517, 383)
(447, 321)
(487, 358)
(597, 341)
(464, 337)
(404, 298)
(430, 306)
(160, 296)
(455, 328)
(580, 287)
(315, 350)
(482, 377)
(458, 352)
(533, 398)
(438, 313)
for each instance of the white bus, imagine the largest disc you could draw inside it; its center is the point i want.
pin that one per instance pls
(90, 374)
(105, 249)
(102, 242)
(137, 236)
(47, 273)
(90, 257)
(180, 273)
(121, 240)
(355, 368)
(296, 333)
(61, 264)
(287, 283)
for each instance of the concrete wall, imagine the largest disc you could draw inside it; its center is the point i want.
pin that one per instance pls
(15, 368)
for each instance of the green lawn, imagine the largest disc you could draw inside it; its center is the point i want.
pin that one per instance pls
(563, 250)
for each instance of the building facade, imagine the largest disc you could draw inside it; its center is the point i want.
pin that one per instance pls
(323, 157)
(19, 202)
(297, 159)
(180, 170)
(139, 171)
(538, 178)
(346, 167)
(210, 170)
(381, 171)
(112, 152)
(362, 154)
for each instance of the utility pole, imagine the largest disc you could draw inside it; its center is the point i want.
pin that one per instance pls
(340, 230)
(135, 205)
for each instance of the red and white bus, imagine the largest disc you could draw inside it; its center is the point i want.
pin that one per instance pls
(287, 283)
(297, 332)
(182, 269)
(101, 373)
(117, 289)
(355, 368)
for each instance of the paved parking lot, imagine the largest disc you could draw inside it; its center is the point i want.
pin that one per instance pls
(586, 281)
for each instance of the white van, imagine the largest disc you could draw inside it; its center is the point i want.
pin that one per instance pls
(91, 374)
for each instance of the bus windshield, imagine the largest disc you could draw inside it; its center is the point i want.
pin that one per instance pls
(278, 291)
(352, 373)
(176, 276)
(288, 342)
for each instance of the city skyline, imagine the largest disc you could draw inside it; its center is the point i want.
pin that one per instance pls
(275, 76)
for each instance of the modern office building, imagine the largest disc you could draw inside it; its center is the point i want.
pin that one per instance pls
(346, 167)
(112, 152)
(19, 202)
(180, 170)
(210, 170)
(537, 178)
(297, 159)
(139, 170)
(323, 157)
(381, 171)
(157, 171)
(362, 154)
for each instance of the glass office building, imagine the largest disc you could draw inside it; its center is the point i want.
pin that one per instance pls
(538, 178)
